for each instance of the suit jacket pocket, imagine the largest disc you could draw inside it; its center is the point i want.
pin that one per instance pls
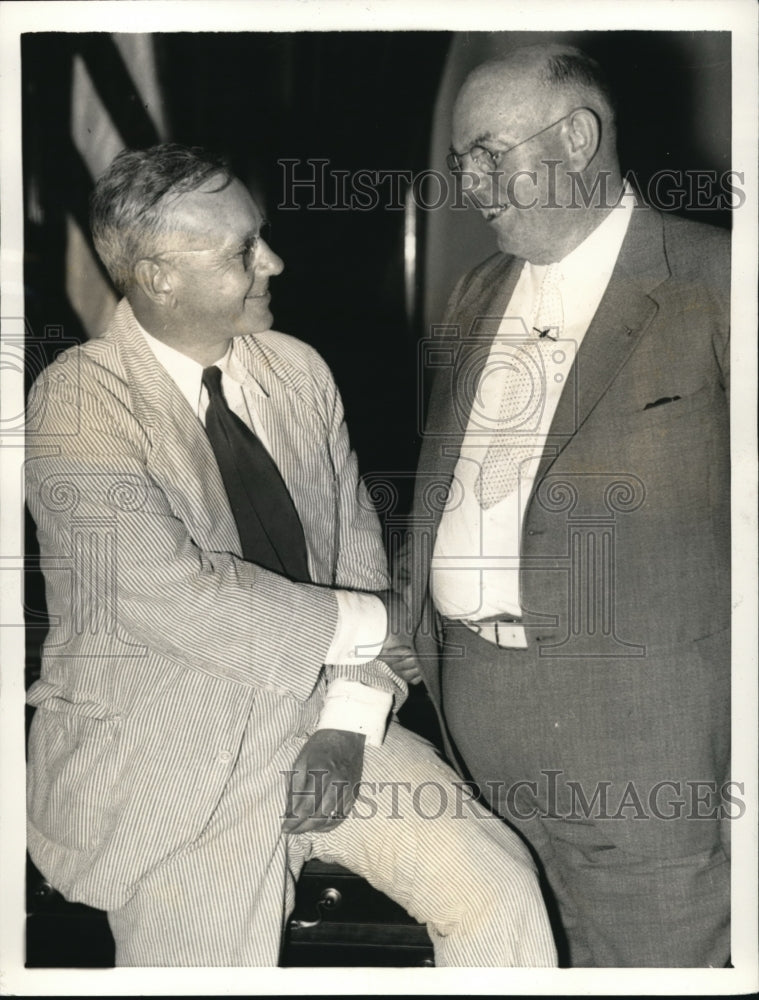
(675, 409)
(71, 764)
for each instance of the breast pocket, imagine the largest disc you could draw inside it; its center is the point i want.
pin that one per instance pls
(675, 408)
(71, 770)
(672, 448)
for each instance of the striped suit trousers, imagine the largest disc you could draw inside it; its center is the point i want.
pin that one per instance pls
(224, 900)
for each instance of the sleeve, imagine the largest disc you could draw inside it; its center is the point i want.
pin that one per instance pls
(719, 283)
(361, 628)
(356, 708)
(361, 563)
(353, 705)
(722, 343)
(411, 560)
(87, 468)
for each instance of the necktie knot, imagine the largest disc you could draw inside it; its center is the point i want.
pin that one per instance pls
(552, 277)
(212, 381)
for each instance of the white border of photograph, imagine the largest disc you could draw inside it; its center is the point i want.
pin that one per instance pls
(737, 16)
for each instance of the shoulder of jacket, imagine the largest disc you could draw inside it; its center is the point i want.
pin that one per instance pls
(483, 272)
(288, 359)
(87, 365)
(86, 378)
(473, 283)
(697, 251)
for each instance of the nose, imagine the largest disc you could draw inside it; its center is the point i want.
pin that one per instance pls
(267, 262)
(477, 186)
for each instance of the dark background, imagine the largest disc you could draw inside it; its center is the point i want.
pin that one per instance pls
(360, 100)
(363, 101)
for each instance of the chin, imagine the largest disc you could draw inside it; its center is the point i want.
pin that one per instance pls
(511, 241)
(507, 244)
(260, 321)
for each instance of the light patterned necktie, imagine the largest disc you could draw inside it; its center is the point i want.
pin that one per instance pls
(523, 398)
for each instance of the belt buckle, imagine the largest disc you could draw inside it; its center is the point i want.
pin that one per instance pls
(505, 641)
(503, 625)
(494, 631)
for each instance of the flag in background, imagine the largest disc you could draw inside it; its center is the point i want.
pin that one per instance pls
(116, 101)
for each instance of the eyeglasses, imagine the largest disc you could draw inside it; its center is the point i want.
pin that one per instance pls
(247, 250)
(487, 160)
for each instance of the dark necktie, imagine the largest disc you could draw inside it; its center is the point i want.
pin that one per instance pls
(271, 534)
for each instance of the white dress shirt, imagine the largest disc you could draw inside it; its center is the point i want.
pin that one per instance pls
(362, 620)
(476, 560)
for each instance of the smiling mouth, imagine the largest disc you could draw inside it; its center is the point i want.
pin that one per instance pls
(260, 295)
(495, 213)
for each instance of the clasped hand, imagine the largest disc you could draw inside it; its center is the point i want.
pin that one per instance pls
(398, 652)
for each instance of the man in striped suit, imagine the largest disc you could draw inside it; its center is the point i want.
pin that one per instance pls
(211, 691)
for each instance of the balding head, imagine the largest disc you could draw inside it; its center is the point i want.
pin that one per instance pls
(540, 79)
(542, 110)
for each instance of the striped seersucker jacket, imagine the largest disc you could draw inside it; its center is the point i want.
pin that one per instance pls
(164, 644)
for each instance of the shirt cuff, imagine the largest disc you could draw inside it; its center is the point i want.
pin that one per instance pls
(356, 708)
(361, 629)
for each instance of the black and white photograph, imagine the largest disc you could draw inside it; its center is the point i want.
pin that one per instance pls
(379, 514)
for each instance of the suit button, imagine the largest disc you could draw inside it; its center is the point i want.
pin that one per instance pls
(224, 756)
(43, 890)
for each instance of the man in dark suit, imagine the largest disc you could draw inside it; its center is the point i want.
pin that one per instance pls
(571, 594)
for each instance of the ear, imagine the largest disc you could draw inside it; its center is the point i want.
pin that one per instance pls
(153, 278)
(583, 137)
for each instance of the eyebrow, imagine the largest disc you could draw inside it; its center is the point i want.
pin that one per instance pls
(483, 137)
(245, 242)
(252, 236)
(488, 137)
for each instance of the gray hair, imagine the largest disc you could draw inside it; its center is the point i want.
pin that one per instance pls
(127, 206)
(574, 69)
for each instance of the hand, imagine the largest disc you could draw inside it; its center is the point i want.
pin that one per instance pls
(323, 788)
(403, 662)
(399, 652)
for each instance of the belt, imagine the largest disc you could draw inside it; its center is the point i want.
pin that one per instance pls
(507, 633)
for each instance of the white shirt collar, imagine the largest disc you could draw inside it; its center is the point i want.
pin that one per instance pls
(599, 250)
(188, 374)
(596, 256)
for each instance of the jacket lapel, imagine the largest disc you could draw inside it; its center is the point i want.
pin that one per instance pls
(181, 459)
(626, 310)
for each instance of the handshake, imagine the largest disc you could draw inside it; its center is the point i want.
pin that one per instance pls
(398, 651)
